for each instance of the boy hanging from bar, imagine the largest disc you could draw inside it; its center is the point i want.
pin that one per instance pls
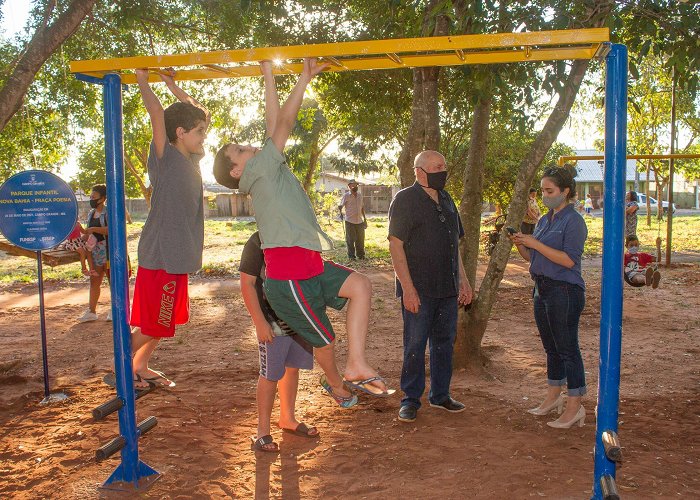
(172, 239)
(300, 284)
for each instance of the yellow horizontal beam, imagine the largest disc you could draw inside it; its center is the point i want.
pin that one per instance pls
(418, 61)
(395, 53)
(675, 156)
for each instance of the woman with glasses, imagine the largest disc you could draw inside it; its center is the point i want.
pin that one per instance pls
(554, 252)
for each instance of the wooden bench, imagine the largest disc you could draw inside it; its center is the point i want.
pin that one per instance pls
(51, 258)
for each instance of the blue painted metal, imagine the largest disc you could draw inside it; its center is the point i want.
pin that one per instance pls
(613, 251)
(131, 471)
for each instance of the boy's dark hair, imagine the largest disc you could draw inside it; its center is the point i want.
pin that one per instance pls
(633, 196)
(222, 169)
(562, 177)
(182, 114)
(101, 189)
(533, 190)
(630, 238)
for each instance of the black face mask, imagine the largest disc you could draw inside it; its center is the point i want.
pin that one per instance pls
(93, 203)
(436, 180)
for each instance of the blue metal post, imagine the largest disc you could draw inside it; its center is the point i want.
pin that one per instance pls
(129, 474)
(613, 251)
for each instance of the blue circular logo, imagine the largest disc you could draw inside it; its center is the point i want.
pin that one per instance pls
(38, 210)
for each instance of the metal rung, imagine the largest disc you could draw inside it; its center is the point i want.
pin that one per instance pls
(334, 61)
(222, 69)
(608, 488)
(395, 58)
(611, 443)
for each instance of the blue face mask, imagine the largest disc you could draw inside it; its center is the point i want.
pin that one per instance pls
(633, 249)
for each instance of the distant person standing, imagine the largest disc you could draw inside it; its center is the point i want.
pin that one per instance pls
(631, 209)
(588, 205)
(355, 220)
(532, 214)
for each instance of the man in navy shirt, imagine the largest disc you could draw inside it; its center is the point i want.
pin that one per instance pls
(424, 233)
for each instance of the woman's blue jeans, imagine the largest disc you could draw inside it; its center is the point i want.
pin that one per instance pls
(558, 307)
(436, 323)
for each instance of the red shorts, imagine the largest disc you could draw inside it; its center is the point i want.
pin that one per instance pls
(160, 302)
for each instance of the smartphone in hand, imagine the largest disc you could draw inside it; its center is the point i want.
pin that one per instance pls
(511, 230)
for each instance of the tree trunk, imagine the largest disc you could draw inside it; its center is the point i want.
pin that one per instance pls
(145, 191)
(471, 326)
(472, 199)
(647, 193)
(431, 96)
(415, 138)
(311, 171)
(467, 350)
(424, 128)
(44, 43)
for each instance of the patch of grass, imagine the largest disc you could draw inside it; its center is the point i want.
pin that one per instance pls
(224, 240)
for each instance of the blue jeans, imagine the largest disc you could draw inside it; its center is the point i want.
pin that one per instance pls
(435, 322)
(558, 307)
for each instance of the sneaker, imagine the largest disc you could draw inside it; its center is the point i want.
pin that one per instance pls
(408, 413)
(450, 405)
(655, 279)
(88, 316)
(109, 316)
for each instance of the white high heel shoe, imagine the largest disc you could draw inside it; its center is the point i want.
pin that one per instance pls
(579, 419)
(544, 410)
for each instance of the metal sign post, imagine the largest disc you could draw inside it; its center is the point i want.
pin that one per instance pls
(38, 210)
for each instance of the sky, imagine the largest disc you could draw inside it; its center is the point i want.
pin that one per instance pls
(14, 18)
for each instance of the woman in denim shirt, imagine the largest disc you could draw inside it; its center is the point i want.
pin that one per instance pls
(554, 252)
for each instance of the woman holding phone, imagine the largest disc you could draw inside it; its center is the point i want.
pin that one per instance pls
(554, 251)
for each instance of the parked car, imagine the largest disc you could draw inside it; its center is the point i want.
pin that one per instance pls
(653, 204)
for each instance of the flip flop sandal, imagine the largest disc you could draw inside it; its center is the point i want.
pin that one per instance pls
(303, 430)
(259, 444)
(343, 401)
(111, 380)
(160, 379)
(367, 387)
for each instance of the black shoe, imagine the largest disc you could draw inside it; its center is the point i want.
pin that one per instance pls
(450, 405)
(408, 413)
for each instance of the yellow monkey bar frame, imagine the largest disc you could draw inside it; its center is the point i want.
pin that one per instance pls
(364, 55)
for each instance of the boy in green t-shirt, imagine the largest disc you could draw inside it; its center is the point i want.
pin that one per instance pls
(300, 284)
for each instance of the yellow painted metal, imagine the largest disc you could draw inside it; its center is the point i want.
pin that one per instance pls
(677, 156)
(365, 55)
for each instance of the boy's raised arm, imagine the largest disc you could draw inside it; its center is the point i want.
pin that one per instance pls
(168, 77)
(272, 101)
(155, 111)
(288, 112)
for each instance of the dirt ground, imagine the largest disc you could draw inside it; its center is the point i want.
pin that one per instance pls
(493, 450)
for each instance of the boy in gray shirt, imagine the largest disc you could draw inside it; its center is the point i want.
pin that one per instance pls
(172, 239)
